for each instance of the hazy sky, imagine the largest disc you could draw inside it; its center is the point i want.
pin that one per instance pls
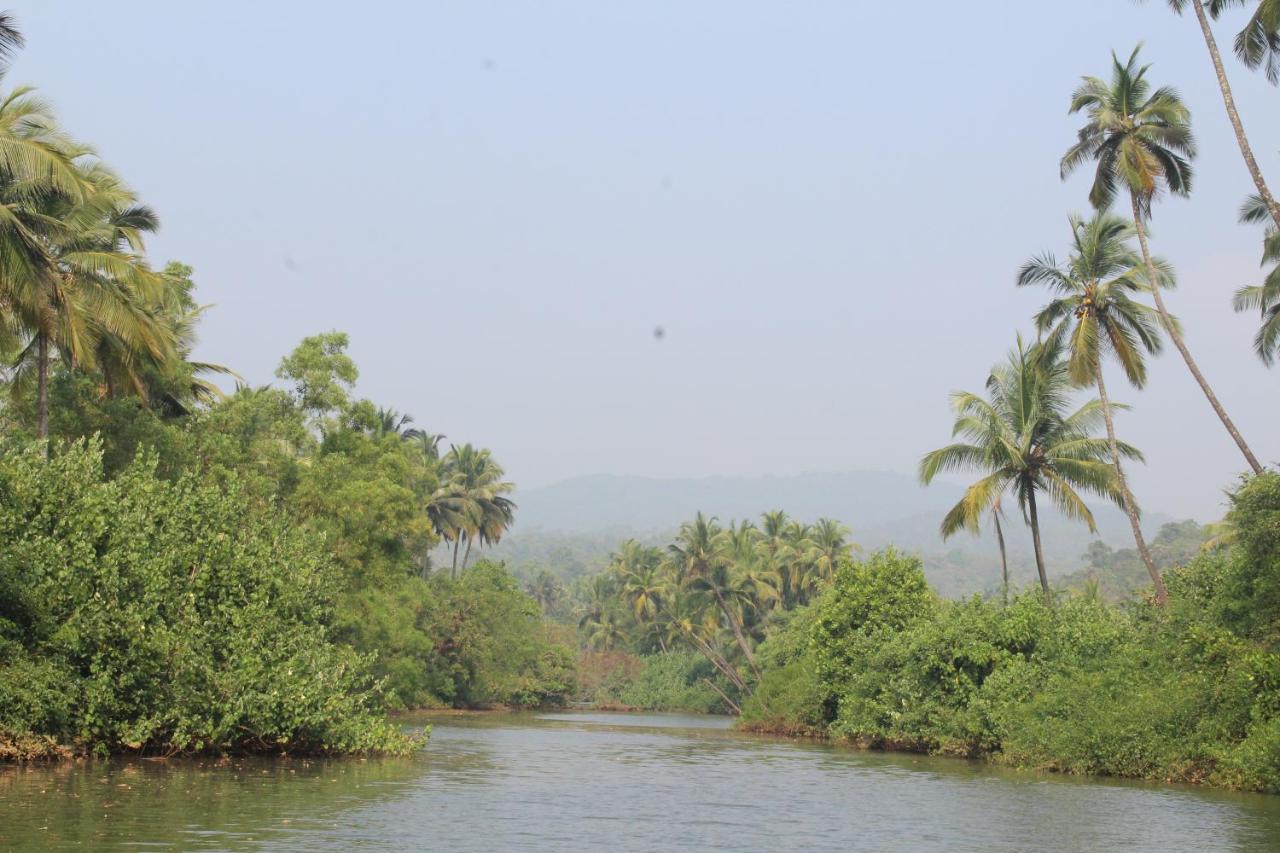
(823, 203)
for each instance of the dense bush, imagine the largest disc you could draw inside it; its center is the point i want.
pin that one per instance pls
(139, 613)
(478, 641)
(674, 681)
(1188, 692)
(790, 699)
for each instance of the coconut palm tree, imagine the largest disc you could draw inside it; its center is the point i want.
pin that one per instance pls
(427, 442)
(390, 422)
(471, 502)
(828, 542)
(1141, 141)
(1023, 439)
(733, 596)
(37, 170)
(1255, 45)
(97, 293)
(702, 568)
(1263, 298)
(643, 586)
(1094, 314)
(1258, 44)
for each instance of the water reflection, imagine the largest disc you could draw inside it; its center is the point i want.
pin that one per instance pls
(618, 782)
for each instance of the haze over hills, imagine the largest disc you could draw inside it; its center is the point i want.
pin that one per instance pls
(572, 526)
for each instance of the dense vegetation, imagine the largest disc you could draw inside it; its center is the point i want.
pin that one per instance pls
(1185, 691)
(183, 571)
(1180, 682)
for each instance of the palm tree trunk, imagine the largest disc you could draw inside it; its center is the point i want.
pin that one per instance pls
(737, 633)
(1004, 559)
(453, 570)
(718, 661)
(42, 388)
(732, 705)
(1035, 542)
(1130, 506)
(1176, 337)
(467, 554)
(1243, 141)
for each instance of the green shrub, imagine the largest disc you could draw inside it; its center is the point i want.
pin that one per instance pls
(168, 616)
(674, 681)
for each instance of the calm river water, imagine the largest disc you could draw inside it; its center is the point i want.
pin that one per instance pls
(611, 782)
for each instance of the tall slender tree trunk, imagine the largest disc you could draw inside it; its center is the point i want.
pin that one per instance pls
(1229, 100)
(732, 705)
(453, 570)
(1176, 337)
(42, 388)
(466, 554)
(1004, 559)
(737, 633)
(1130, 505)
(710, 654)
(1035, 543)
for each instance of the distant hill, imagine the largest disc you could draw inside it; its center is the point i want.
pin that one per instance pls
(572, 526)
(640, 504)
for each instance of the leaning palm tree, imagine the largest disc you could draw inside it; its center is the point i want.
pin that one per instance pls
(1141, 141)
(1255, 46)
(701, 567)
(1263, 298)
(1094, 314)
(1023, 439)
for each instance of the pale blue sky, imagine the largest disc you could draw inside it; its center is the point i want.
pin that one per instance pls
(824, 204)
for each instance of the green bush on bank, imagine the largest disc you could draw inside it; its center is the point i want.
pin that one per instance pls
(475, 642)
(1187, 692)
(674, 681)
(166, 616)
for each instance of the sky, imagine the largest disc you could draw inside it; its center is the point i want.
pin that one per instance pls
(822, 204)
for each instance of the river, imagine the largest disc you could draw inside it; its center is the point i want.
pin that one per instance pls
(610, 782)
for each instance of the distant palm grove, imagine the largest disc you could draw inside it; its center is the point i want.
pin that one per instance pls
(190, 570)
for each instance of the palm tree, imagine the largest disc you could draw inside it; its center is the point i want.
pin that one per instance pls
(639, 570)
(828, 542)
(1263, 298)
(37, 170)
(97, 293)
(1258, 44)
(777, 548)
(1141, 140)
(427, 442)
(471, 503)
(391, 422)
(701, 567)
(1255, 44)
(1024, 441)
(1093, 313)
(10, 39)
(734, 597)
